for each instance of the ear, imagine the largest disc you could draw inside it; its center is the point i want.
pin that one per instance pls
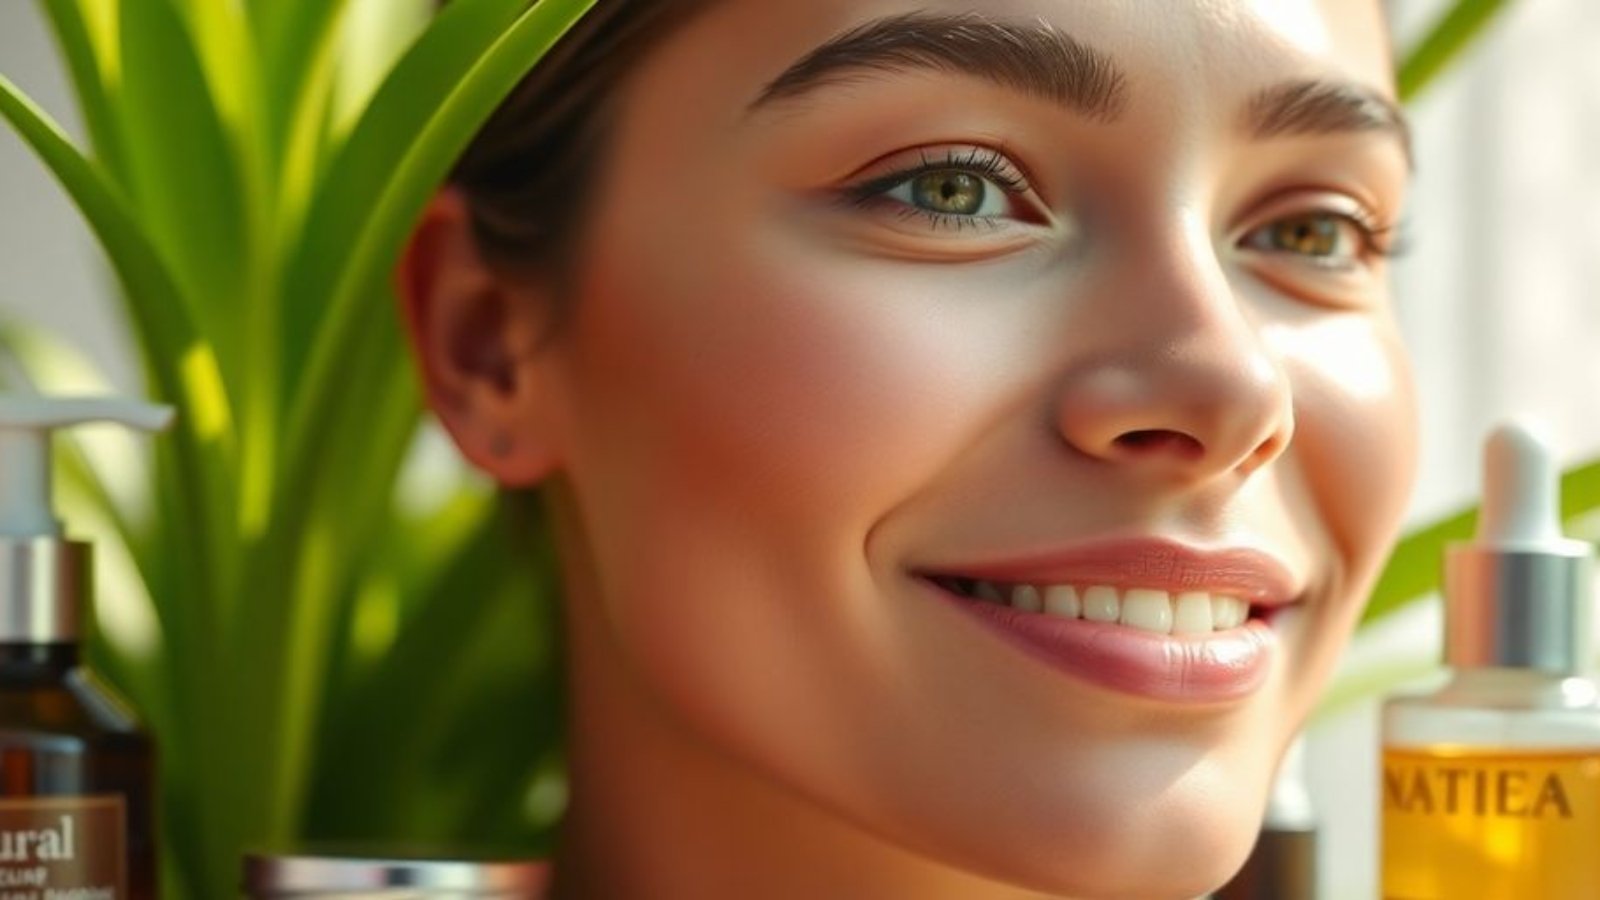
(476, 337)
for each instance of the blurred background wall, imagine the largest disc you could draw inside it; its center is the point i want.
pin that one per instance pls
(1497, 299)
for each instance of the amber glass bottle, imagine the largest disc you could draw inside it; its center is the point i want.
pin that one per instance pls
(1491, 783)
(76, 787)
(73, 765)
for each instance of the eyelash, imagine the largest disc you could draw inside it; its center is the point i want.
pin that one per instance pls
(1370, 230)
(983, 162)
(993, 166)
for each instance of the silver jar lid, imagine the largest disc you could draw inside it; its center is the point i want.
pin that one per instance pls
(357, 878)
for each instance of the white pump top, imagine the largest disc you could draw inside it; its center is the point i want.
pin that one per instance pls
(26, 423)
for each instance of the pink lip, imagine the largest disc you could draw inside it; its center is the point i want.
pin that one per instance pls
(1215, 667)
(1224, 665)
(1165, 565)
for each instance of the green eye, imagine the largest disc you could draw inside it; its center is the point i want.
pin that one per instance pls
(953, 193)
(1315, 235)
(959, 189)
(1329, 239)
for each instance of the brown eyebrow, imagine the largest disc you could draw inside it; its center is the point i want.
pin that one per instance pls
(1040, 60)
(1036, 59)
(1314, 106)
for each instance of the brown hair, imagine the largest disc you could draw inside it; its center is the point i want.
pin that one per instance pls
(527, 174)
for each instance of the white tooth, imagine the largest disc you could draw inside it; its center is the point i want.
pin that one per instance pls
(1062, 600)
(1147, 610)
(1100, 604)
(1228, 612)
(986, 591)
(1191, 613)
(1026, 598)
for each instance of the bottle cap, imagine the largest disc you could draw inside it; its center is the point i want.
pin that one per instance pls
(42, 574)
(1519, 594)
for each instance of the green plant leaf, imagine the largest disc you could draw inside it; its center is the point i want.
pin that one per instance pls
(402, 709)
(296, 40)
(313, 420)
(357, 369)
(1457, 29)
(96, 93)
(185, 170)
(159, 316)
(362, 168)
(183, 582)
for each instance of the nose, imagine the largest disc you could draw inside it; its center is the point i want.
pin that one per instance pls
(1175, 380)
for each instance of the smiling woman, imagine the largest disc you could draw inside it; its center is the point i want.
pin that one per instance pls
(970, 428)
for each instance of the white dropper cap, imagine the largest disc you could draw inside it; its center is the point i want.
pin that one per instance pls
(1518, 595)
(26, 424)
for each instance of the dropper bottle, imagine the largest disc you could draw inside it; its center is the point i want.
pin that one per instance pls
(1491, 784)
(76, 773)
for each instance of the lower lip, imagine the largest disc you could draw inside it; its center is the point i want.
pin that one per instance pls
(1208, 668)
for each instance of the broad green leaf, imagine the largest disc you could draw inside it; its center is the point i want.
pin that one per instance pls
(372, 258)
(159, 317)
(362, 168)
(365, 368)
(185, 172)
(376, 34)
(296, 41)
(1457, 29)
(97, 90)
(406, 702)
(181, 569)
(222, 45)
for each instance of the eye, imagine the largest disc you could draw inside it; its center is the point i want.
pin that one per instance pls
(1324, 238)
(955, 189)
(951, 192)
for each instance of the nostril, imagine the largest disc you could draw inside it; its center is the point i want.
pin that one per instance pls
(1160, 440)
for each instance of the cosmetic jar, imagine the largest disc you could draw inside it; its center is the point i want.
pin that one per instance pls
(353, 878)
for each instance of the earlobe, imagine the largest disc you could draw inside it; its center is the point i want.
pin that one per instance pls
(475, 337)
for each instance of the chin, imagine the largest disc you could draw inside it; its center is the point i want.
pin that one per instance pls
(1128, 837)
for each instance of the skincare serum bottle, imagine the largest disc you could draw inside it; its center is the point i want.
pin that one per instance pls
(75, 773)
(1491, 784)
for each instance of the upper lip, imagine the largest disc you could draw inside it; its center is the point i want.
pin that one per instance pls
(1251, 574)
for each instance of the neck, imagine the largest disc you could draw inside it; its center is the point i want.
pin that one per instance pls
(655, 812)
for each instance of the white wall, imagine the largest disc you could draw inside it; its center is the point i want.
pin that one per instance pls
(50, 269)
(1498, 298)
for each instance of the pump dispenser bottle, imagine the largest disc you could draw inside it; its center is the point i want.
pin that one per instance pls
(1491, 784)
(76, 786)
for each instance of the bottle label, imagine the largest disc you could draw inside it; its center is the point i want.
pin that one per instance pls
(63, 848)
(1489, 825)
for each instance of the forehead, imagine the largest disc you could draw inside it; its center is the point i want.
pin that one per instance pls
(1209, 47)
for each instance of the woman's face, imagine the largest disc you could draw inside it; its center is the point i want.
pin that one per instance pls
(931, 362)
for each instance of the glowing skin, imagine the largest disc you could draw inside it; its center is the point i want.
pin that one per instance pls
(778, 404)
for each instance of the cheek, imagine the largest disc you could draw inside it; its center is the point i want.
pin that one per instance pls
(827, 388)
(1355, 425)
